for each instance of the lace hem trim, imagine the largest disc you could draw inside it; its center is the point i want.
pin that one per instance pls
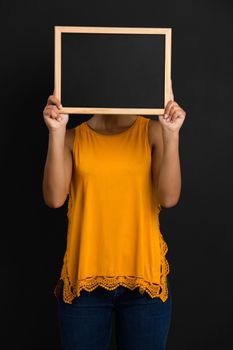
(110, 283)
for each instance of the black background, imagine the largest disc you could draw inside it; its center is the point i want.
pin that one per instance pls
(198, 229)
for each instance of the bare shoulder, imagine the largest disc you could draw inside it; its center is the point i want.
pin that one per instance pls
(69, 140)
(155, 133)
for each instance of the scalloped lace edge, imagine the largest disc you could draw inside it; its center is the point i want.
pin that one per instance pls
(110, 283)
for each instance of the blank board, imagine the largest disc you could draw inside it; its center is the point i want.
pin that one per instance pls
(112, 70)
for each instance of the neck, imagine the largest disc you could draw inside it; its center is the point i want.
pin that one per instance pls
(110, 121)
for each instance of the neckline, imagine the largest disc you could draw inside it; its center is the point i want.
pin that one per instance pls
(111, 135)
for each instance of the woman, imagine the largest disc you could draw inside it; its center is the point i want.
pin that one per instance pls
(119, 171)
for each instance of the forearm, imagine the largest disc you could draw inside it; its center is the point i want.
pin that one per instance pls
(54, 185)
(169, 182)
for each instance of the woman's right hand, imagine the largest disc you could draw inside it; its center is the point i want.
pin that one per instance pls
(53, 119)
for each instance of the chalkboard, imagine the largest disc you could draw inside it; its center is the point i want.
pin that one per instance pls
(112, 70)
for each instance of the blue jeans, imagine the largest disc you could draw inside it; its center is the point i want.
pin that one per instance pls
(142, 323)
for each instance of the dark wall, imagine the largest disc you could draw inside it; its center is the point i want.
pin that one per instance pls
(198, 229)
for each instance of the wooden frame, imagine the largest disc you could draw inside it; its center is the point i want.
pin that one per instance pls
(58, 30)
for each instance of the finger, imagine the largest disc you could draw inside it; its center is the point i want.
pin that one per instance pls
(172, 95)
(171, 104)
(54, 114)
(173, 110)
(168, 106)
(53, 100)
(176, 114)
(51, 107)
(51, 111)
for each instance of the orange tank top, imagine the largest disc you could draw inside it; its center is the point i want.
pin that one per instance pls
(113, 235)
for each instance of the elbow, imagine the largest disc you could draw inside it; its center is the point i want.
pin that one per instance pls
(169, 202)
(54, 205)
(54, 202)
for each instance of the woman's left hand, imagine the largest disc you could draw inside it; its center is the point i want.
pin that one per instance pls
(173, 116)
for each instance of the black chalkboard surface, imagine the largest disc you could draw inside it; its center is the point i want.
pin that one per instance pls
(112, 70)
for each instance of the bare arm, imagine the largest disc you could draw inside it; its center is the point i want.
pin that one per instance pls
(165, 153)
(58, 165)
(58, 169)
(166, 165)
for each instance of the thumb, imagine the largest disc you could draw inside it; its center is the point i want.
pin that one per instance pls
(161, 119)
(171, 93)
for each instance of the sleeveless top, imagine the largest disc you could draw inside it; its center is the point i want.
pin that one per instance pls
(113, 235)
